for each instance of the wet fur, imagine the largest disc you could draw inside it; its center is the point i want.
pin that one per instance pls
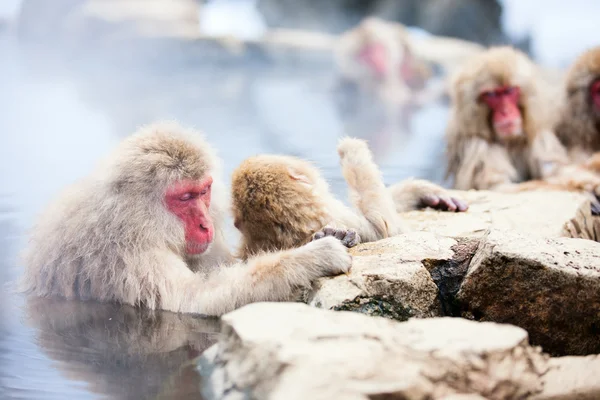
(109, 237)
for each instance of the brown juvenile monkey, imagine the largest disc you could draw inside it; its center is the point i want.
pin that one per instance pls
(377, 56)
(500, 131)
(146, 228)
(279, 202)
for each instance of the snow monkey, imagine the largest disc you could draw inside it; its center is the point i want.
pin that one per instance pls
(280, 202)
(377, 56)
(146, 228)
(579, 126)
(500, 131)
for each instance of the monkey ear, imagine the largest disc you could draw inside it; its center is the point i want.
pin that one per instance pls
(297, 176)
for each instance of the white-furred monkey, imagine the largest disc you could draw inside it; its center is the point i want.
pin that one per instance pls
(579, 127)
(500, 131)
(281, 202)
(377, 56)
(146, 228)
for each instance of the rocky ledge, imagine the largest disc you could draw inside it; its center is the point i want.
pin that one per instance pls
(510, 260)
(500, 302)
(293, 351)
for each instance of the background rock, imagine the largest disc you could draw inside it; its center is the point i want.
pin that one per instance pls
(292, 351)
(567, 215)
(550, 287)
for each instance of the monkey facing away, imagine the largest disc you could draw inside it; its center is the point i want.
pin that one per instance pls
(281, 202)
(146, 228)
(500, 132)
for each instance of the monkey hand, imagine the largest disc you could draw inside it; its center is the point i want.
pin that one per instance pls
(414, 194)
(331, 255)
(348, 237)
(443, 202)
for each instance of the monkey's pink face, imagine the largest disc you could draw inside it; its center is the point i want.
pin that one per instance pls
(595, 93)
(506, 116)
(190, 202)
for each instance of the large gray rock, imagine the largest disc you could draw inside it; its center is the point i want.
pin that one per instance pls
(550, 287)
(567, 215)
(388, 278)
(292, 351)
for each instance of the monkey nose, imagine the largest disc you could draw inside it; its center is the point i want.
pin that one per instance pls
(203, 227)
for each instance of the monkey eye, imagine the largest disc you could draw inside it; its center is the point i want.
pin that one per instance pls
(188, 196)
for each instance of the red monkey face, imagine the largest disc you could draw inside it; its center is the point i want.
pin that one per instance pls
(375, 56)
(190, 201)
(506, 116)
(595, 93)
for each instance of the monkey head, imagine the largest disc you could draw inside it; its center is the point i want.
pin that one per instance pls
(582, 118)
(164, 165)
(276, 202)
(493, 96)
(378, 51)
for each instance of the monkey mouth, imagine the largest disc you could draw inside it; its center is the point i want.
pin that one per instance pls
(508, 129)
(196, 248)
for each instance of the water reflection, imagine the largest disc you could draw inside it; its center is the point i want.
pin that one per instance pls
(119, 351)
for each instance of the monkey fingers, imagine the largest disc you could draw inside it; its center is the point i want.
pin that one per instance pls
(444, 203)
(348, 237)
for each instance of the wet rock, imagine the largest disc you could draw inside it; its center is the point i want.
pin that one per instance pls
(567, 215)
(572, 378)
(292, 351)
(389, 278)
(550, 287)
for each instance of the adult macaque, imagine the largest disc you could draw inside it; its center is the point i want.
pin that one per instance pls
(377, 57)
(281, 202)
(579, 127)
(501, 128)
(146, 228)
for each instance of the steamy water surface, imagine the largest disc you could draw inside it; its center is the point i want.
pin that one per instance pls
(56, 123)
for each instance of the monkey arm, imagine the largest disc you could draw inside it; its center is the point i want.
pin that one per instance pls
(482, 166)
(268, 277)
(367, 192)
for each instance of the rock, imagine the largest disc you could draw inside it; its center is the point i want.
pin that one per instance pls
(572, 378)
(567, 215)
(388, 278)
(550, 287)
(292, 351)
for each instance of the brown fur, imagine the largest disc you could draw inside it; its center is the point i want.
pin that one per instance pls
(476, 158)
(279, 202)
(579, 127)
(110, 237)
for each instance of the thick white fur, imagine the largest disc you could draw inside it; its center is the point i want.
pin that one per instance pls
(109, 237)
